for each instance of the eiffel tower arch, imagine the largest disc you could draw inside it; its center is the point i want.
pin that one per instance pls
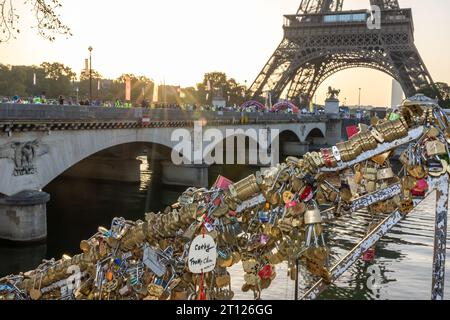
(321, 40)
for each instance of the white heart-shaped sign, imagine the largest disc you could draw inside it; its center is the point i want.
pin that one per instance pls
(202, 254)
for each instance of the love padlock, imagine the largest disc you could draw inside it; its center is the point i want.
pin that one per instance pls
(291, 204)
(307, 194)
(266, 272)
(369, 255)
(264, 239)
(288, 197)
(422, 184)
(263, 217)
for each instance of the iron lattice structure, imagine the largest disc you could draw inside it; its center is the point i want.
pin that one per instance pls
(321, 40)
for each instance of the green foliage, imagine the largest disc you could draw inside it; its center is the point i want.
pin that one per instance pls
(56, 79)
(47, 21)
(440, 91)
(216, 84)
(52, 78)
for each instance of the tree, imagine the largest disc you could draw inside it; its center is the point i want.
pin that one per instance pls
(58, 79)
(58, 71)
(52, 78)
(216, 84)
(236, 92)
(47, 20)
(441, 91)
(85, 75)
(189, 96)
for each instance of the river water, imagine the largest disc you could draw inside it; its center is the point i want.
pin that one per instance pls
(401, 270)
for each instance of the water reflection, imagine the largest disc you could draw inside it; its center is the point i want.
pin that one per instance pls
(78, 206)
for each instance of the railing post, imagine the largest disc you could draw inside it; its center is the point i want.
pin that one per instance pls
(440, 238)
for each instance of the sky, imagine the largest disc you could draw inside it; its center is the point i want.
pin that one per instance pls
(177, 41)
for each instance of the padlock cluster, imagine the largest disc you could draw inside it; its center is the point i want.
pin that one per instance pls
(272, 217)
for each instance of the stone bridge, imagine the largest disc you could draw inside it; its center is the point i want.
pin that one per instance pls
(39, 143)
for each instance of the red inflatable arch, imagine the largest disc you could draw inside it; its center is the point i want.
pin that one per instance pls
(282, 106)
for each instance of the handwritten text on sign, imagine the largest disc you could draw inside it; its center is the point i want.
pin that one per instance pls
(202, 255)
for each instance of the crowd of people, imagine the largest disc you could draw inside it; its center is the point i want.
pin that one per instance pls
(73, 101)
(70, 101)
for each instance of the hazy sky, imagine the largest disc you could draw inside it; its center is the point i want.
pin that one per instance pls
(180, 40)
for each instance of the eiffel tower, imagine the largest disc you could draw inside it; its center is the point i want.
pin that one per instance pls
(321, 40)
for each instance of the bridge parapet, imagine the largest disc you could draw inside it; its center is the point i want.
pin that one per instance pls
(17, 117)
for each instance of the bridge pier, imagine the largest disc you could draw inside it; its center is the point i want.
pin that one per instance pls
(184, 175)
(334, 132)
(107, 168)
(23, 217)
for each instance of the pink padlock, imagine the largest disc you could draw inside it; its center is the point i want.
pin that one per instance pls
(222, 183)
(422, 184)
(291, 204)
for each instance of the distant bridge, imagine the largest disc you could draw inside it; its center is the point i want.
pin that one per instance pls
(38, 143)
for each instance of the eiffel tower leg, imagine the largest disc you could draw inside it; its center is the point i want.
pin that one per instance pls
(274, 68)
(413, 74)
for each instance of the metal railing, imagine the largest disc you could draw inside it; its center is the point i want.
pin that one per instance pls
(54, 113)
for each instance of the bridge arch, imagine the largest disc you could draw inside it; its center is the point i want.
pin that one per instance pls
(315, 133)
(71, 147)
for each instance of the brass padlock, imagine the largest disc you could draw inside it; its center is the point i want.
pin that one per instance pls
(179, 295)
(251, 279)
(155, 290)
(250, 266)
(273, 197)
(370, 174)
(313, 216)
(406, 206)
(381, 158)
(245, 188)
(408, 183)
(276, 258)
(297, 184)
(435, 148)
(384, 174)
(223, 280)
(416, 171)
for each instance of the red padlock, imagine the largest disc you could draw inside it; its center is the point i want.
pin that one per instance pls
(369, 255)
(418, 193)
(266, 272)
(307, 194)
(217, 202)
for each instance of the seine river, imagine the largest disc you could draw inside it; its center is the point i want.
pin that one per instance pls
(403, 258)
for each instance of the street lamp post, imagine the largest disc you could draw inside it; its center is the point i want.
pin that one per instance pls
(359, 99)
(90, 74)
